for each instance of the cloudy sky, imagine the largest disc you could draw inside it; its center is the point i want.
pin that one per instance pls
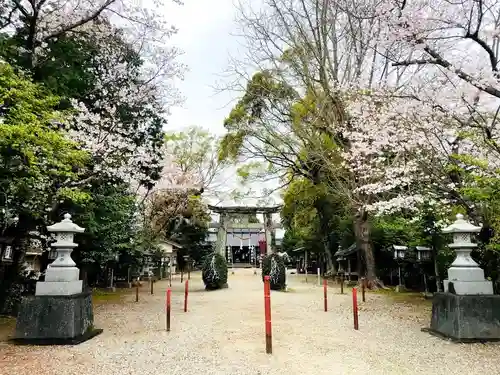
(204, 35)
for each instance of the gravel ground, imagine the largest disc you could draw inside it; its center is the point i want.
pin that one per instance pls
(223, 333)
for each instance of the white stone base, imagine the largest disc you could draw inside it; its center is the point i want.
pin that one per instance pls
(470, 287)
(466, 274)
(58, 288)
(62, 274)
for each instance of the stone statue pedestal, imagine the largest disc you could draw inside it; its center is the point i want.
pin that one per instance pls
(55, 320)
(60, 312)
(465, 318)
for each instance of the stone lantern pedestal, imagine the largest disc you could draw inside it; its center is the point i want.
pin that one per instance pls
(467, 311)
(60, 312)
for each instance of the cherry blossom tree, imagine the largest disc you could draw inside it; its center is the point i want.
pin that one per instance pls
(194, 151)
(448, 53)
(124, 71)
(46, 20)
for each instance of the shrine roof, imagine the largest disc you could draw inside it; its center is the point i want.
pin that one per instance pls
(244, 209)
(172, 243)
(346, 252)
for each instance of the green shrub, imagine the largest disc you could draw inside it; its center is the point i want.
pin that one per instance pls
(274, 267)
(214, 271)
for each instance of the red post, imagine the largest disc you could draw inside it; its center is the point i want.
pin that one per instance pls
(355, 307)
(186, 291)
(169, 304)
(325, 286)
(267, 310)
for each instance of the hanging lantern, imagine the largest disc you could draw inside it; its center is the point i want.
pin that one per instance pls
(7, 253)
(423, 253)
(399, 251)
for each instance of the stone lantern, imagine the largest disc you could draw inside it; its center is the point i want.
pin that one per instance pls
(464, 275)
(62, 276)
(424, 255)
(400, 254)
(340, 259)
(60, 312)
(163, 265)
(467, 311)
(7, 241)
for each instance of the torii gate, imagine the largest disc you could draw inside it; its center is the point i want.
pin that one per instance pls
(236, 217)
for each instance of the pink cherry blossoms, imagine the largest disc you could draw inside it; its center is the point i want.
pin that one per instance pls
(437, 107)
(123, 146)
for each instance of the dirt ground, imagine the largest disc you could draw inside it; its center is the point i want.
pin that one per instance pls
(223, 333)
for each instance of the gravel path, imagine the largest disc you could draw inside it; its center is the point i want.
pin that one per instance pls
(223, 333)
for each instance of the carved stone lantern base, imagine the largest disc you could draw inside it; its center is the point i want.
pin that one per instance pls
(58, 288)
(473, 287)
(465, 318)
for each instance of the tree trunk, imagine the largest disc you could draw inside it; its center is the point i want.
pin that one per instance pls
(362, 232)
(359, 263)
(329, 261)
(325, 234)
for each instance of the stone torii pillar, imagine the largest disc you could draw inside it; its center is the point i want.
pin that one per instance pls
(268, 232)
(222, 235)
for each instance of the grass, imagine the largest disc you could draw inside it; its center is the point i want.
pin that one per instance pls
(7, 326)
(413, 298)
(102, 296)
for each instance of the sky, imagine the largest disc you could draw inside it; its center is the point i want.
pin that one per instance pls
(205, 37)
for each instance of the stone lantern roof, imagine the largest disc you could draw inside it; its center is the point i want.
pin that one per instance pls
(65, 226)
(461, 226)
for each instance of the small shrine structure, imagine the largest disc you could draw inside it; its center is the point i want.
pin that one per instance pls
(234, 221)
